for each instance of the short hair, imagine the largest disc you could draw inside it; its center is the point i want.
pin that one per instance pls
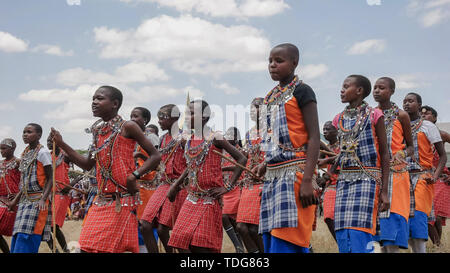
(154, 127)
(292, 50)
(9, 142)
(145, 114)
(36, 127)
(418, 97)
(390, 81)
(431, 109)
(172, 109)
(364, 83)
(114, 93)
(206, 110)
(236, 135)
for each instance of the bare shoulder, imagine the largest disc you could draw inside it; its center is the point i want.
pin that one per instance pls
(403, 116)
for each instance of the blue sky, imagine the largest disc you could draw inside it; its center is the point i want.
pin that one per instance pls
(55, 53)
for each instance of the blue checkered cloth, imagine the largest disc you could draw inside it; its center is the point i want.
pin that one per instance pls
(355, 195)
(28, 210)
(278, 206)
(413, 164)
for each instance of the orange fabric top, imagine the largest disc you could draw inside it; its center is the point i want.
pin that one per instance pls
(296, 125)
(140, 162)
(40, 174)
(397, 142)
(425, 151)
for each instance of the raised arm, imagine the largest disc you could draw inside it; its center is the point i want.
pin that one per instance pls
(132, 130)
(81, 161)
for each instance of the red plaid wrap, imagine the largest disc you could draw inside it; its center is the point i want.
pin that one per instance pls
(442, 199)
(176, 164)
(106, 230)
(250, 204)
(159, 207)
(230, 199)
(441, 192)
(201, 224)
(62, 203)
(6, 221)
(9, 183)
(329, 198)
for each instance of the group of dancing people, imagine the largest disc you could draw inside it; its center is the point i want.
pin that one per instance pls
(385, 178)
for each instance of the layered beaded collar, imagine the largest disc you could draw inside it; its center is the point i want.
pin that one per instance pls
(390, 115)
(28, 157)
(101, 127)
(281, 94)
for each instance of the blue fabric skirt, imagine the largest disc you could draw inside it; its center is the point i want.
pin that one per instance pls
(275, 245)
(25, 243)
(394, 231)
(418, 226)
(354, 241)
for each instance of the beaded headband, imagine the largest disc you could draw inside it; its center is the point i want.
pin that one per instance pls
(8, 142)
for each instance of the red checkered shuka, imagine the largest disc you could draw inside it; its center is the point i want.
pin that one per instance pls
(106, 230)
(441, 192)
(250, 204)
(231, 198)
(200, 224)
(176, 164)
(9, 184)
(159, 207)
(62, 202)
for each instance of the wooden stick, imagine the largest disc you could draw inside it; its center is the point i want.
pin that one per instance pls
(235, 163)
(53, 198)
(328, 153)
(72, 188)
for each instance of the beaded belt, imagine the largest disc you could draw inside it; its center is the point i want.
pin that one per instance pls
(121, 199)
(399, 167)
(194, 196)
(31, 196)
(282, 168)
(148, 185)
(355, 174)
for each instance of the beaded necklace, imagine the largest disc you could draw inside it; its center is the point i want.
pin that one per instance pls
(415, 126)
(195, 157)
(349, 138)
(279, 94)
(390, 115)
(28, 158)
(101, 127)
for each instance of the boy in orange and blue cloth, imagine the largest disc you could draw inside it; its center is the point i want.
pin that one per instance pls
(291, 145)
(33, 219)
(422, 176)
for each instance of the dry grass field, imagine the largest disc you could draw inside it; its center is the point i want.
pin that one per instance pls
(322, 241)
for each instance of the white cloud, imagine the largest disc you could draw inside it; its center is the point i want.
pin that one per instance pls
(312, 71)
(223, 8)
(52, 50)
(226, 88)
(191, 45)
(10, 43)
(429, 13)
(73, 106)
(407, 81)
(135, 72)
(373, 2)
(367, 46)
